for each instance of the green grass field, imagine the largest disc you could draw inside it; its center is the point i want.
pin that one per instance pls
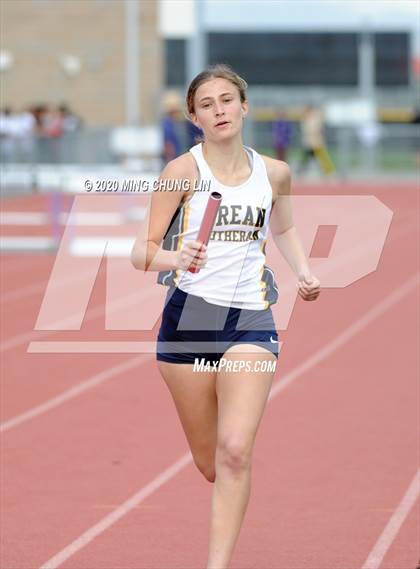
(385, 160)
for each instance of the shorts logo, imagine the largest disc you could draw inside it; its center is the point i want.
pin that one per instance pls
(273, 341)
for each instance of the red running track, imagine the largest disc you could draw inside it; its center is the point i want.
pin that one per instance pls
(336, 453)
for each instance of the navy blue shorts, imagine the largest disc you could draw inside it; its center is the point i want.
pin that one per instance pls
(193, 328)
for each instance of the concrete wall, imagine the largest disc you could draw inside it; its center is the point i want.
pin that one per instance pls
(40, 33)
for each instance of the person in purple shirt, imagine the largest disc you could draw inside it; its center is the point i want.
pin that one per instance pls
(194, 134)
(171, 141)
(282, 134)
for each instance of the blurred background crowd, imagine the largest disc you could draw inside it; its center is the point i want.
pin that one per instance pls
(30, 134)
(334, 86)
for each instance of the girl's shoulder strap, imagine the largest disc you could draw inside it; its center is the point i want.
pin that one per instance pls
(204, 170)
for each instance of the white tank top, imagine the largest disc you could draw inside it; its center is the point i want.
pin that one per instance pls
(235, 274)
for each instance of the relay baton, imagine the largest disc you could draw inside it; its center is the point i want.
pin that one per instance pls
(208, 221)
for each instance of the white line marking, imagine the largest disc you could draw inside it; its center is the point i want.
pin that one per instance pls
(73, 392)
(392, 528)
(91, 314)
(118, 513)
(168, 474)
(104, 218)
(27, 244)
(81, 218)
(11, 264)
(23, 218)
(29, 290)
(94, 246)
(34, 288)
(96, 347)
(117, 347)
(351, 331)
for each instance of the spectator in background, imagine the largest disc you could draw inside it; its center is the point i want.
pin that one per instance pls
(282, 134)
(52, 123)
(313, 141)
(26, 134)
(6, 117)
(72, 124)
(34, 134)
(70, 121)
(48, 130)
(194, 134)
(416, 121)
(39, 112)
(7, 142)
(16, 132)
(171, 138)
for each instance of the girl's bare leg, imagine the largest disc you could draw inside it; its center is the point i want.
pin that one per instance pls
(242, 397)
(194, 395)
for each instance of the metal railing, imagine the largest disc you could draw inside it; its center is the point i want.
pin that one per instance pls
(394, 150)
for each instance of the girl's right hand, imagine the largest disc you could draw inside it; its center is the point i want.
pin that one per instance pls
(192, 254)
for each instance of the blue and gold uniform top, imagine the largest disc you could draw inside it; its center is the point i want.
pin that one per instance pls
(235, 274)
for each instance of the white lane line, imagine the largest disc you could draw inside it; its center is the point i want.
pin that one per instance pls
(73, 392)
(61, 325)
(392, 528)
(28, 290)
(33, 244)
(349, 332)
(100, 218)
(23, 218)
(94, 246)
(118, 513)
(88, 347)
(38, 287)
(16, 294)
(157, 482)
(23, 263)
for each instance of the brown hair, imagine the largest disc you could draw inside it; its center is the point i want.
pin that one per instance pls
(219, 70)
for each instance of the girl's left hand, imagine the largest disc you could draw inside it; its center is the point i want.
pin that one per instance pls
(308, 287)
